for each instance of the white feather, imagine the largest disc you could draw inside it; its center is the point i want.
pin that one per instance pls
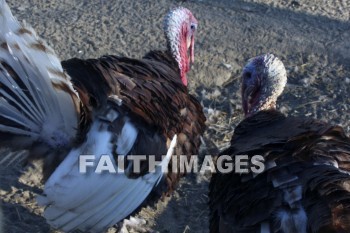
(294, 219)
(126, 139)
(29, 98)
(93, 202)
(291, 222)
(9, 157)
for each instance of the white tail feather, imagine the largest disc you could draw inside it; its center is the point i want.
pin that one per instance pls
(93, 202)
(37, 98)
(8, 157)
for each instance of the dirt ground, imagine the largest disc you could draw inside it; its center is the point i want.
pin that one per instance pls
(312, 37)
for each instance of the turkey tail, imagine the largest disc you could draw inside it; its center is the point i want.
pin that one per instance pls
(37, 100)
(108, 198)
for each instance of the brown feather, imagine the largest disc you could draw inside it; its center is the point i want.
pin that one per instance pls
(152, 95)
(304, 151)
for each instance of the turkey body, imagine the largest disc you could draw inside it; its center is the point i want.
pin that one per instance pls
(110, 108)
(304, 187)
(132, 107)
(151, 96)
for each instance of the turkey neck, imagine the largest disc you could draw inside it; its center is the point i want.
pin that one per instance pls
(165, 57)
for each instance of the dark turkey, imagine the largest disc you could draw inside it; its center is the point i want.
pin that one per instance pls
(153, 90)
(305, 186)
(112, 106)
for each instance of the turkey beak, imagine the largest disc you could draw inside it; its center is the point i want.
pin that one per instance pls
(245, 96)
(248, 98)
(192, 49)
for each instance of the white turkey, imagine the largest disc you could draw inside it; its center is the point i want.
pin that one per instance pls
(305, 186)
(111, 106)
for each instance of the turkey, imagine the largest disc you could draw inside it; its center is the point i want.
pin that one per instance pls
(153, 90)
(304, 186)
(112, 106)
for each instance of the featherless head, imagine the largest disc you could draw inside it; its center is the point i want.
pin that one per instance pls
(180, 27)
(263, 80)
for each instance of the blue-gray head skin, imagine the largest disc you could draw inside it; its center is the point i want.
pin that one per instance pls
(180, 28)
(263, 80)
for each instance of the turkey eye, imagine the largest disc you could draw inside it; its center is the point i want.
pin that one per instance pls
(193, 27)
(248, 75)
